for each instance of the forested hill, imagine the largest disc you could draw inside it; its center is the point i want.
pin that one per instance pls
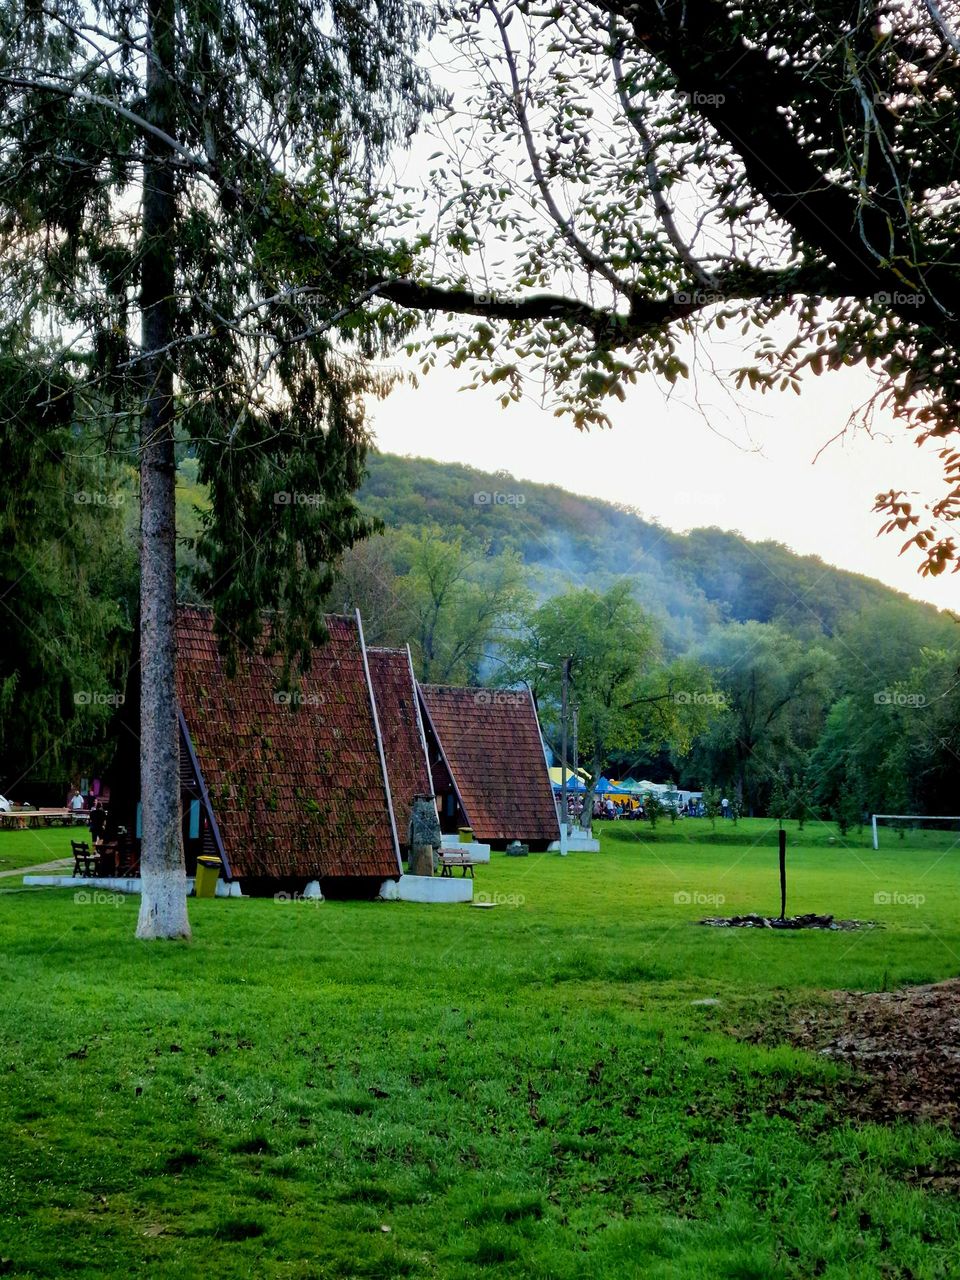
(689, 580)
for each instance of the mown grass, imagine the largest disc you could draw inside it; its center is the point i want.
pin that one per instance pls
(383, 1089)
(36, 845)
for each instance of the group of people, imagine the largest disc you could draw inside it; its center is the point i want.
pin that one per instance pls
(80, 802)
(610, 808)
(697, 809)
(606, 807)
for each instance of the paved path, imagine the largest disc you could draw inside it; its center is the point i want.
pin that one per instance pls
(37, 870)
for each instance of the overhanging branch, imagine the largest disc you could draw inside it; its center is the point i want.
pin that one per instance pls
(609, 326)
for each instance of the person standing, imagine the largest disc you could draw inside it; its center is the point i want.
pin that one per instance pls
(725, 808)
(98, 822)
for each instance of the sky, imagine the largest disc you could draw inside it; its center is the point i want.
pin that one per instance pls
(698, 458)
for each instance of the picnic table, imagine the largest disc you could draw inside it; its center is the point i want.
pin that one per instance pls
(23, 816)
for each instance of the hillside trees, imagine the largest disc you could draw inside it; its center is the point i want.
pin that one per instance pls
(629, 699)
(450, 599)
(144, 151)
(775, 688)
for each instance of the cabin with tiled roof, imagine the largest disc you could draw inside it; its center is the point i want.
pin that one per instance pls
(295, 777)
(285, 783)
(489, 768)
(401, 728)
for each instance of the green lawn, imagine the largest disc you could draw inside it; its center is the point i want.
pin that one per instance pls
(37, 845)
(383, 1089)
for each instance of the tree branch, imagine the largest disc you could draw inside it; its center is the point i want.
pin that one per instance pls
(69, 90)
(610, 327)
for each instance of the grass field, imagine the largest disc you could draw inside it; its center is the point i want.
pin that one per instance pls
(35, 846)
(384, 1089)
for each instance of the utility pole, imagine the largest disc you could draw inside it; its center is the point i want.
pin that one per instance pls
(576, 753)
(564, 815)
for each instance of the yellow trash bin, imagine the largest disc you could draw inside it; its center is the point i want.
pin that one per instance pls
(208, 873)
(465, 835)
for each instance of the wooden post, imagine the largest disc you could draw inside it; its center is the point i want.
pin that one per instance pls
(421, 860)
(782, 837)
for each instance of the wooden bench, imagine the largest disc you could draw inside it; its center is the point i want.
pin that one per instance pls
(85, 863)
(450, 860)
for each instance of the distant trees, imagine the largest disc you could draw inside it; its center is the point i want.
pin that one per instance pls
(456, 603)
(816, 702)
(774, 688)
(688, 581)
(451, 600)
(896, 748)
(851, 732)
(627, 695)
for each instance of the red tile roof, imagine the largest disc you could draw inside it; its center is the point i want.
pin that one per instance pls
(294, 776)
(491, 740)
(399, 714)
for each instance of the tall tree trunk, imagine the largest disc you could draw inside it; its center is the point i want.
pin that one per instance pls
(163, 905)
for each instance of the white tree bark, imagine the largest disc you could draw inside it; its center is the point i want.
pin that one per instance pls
(163, 905)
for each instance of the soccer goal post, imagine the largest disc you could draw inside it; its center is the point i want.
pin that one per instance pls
(907, 817)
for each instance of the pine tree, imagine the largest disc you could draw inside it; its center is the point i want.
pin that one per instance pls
(66, 604)
(144, 149)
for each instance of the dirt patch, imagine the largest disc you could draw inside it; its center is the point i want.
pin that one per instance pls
(790, 922)
(904, 1045)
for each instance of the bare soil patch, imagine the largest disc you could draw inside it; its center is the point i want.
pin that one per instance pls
(904, 1045)
(809, 921)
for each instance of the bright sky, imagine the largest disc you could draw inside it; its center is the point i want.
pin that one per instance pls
(746, 465)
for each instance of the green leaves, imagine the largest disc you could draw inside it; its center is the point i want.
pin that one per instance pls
(271, 324)
(625, 693)
(66, 577)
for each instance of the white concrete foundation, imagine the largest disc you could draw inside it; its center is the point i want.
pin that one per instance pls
(115, 884)
(435, 889)
(121, 884)
(577, 843)
(478, 852)
(389, 891)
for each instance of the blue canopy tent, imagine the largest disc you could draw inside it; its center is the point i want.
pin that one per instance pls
(605, 787)
(573, 784)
